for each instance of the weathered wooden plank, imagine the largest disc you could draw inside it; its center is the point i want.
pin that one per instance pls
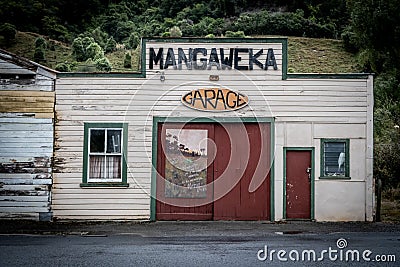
(24, 120)
(15, 141)
(29, 161)
(24, 193)
(27, 149)
(76, 186)
(25, 167)
(12, 154)
(95, 197)
(17, 181)
(23, 133)
(103, 217)
(329, 119)
(340, 130)
(27, 100)
(177, 105)
(32, 204)
(166, 111)
(19, 187)
(99, 212)
(25, 198)
(27, 93)
(24, 209)
(254, 101)
(25, 176)
(127, 202)
(23, 86)
(84, 83)
(138, 180)
(16, 105)
(48, 115)
(98, 190)
(102, 206)
(26, 127)
(26, 109)
(19, 215)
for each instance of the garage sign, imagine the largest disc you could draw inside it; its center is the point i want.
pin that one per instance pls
(215, 99)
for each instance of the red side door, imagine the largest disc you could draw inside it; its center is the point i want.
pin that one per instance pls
(298, 184)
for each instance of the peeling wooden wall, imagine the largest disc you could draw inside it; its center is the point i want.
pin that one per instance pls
(26, 143)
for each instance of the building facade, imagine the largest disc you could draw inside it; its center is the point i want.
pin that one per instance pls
(213, 129)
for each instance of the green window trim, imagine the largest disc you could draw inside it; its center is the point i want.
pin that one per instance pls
(124, 154)
(346, 175)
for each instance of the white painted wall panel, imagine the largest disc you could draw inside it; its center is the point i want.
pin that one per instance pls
(339, 200)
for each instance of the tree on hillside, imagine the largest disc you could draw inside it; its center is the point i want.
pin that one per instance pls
(375, 27)
(8, 31)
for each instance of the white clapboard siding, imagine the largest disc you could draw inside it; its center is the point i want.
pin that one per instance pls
(26, 138)
(137, 101)
(26, 176)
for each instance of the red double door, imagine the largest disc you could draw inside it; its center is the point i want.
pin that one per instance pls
(213, 171)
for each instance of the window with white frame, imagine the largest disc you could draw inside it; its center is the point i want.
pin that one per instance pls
(335, 158)
(104, 153)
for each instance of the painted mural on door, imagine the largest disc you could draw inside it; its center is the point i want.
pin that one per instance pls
(213, 171)
(186, 163)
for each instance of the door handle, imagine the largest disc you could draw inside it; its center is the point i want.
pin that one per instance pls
(308, 171)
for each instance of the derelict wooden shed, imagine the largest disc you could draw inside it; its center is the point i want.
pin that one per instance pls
(214, 129)
(26, 138)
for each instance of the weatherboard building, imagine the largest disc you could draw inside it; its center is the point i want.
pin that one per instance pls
(213, 129)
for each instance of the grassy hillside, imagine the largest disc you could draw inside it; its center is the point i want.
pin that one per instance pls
(306, 55)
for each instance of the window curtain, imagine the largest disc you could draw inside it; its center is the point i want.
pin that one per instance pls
(113, 167)
(112, 170)
(96, 168)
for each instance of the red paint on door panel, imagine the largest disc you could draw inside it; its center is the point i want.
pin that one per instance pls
(244, 193)
(298, 185)
(238, 175)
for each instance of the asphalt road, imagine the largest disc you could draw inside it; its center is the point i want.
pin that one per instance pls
(204, 244)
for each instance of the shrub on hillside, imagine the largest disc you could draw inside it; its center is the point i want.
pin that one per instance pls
(103, 64)
(8, 31)
(128, 61)
(84, 48)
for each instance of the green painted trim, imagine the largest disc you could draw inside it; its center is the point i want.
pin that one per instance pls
(100, 75)
(85, 152)
(284, 59)
(213, 119)
(104, 185)
(153, 189)
(328, 75)
(157, 120)
(214, 40)
(322, 159)
(87, 127)
(272, 179)
(334, 178)
(312, 149)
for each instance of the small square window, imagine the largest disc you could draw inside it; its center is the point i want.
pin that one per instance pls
(105, 154)
(335, 158)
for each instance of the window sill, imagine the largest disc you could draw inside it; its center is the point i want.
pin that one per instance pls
(125, 185)
(335, 178)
